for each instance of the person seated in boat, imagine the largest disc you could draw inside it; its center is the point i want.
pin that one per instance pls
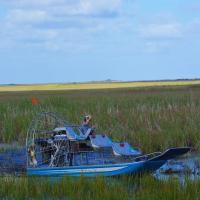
(31, 151)
(87, 128)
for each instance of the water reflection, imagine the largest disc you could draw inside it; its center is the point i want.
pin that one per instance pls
(13, 161)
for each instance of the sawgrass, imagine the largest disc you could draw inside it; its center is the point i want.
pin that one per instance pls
(139, 188)
(152, 119)
(100, 85)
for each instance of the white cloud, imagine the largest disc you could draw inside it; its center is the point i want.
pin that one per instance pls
(69, 7)
(160, 34)
(34, 3)
(161, 31)
(57, 24)
(26, 16)
(98, 7)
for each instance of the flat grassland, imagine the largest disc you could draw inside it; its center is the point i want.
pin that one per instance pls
(100, 85)
(151, 118)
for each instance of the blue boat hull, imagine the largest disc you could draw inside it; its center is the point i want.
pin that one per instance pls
(101, 170)
(158, 161)
(135, 167)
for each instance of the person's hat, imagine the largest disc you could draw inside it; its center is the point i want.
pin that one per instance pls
(87, 117)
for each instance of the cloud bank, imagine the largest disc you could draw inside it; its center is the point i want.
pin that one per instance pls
(57, 23)
(75, 25)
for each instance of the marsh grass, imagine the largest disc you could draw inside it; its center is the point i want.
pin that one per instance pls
(152, 119)
(63, 188)
(139, 188)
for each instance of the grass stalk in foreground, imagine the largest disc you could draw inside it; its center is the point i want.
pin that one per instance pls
(139, 188)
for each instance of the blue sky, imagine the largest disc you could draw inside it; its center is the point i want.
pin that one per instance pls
(84, 40)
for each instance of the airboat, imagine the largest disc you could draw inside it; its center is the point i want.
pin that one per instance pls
(56, 147)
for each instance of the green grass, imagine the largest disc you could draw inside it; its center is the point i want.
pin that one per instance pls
(138, 188)
(152, 119)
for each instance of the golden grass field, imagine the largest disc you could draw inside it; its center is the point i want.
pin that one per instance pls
(82, 86)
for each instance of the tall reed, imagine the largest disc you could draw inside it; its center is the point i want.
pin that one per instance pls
(139, 188)
(152, 119)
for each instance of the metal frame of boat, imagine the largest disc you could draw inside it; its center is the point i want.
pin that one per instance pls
(57, 148)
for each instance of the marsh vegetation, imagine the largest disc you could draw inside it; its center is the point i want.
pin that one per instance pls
(139, 188)
(152, 119)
